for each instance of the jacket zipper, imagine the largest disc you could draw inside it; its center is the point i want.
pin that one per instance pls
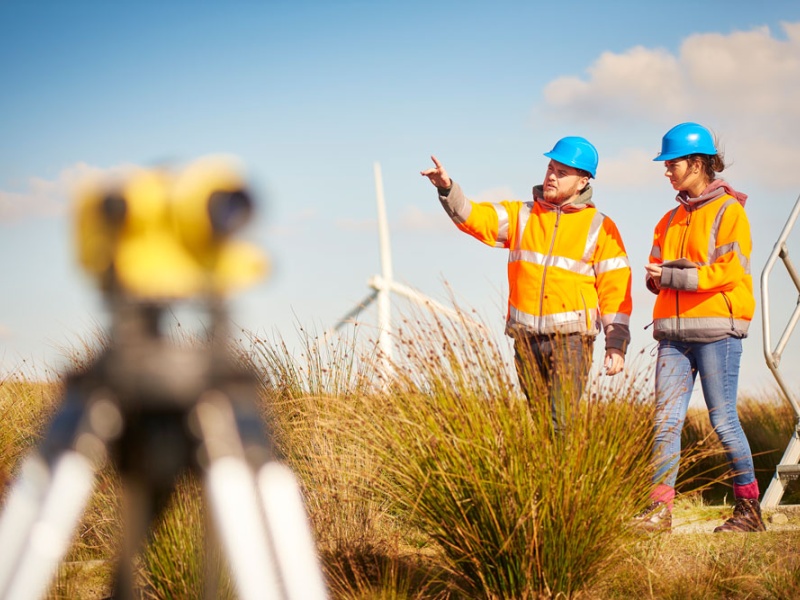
(730, 310)
(684, 235)
(546, 264)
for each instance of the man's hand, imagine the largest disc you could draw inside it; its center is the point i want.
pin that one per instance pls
(614, 361)
(438, 175)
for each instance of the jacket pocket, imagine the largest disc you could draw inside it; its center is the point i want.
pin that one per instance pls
(729, 304)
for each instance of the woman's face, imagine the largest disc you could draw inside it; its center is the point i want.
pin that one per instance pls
(685, 175)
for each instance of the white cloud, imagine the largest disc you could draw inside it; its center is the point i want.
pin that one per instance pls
(43, 199)
(412, 218)
(621, 85)
(46, 198)
(744, 73)
(745, 86)
(629, 169)
(497, 194)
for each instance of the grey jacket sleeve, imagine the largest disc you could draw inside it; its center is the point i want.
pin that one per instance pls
(679, 279)
(455, 203)
(618, 336)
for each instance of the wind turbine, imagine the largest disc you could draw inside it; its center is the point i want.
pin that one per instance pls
(384, 284)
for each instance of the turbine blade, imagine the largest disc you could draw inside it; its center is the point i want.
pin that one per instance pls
(421, 299)
(369, 299)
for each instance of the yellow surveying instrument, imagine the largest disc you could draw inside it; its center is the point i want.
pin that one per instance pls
(149, 239)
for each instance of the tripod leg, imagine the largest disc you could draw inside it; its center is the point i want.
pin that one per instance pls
(234, 502)
(291, 535)
(45, 531)
(19, 515)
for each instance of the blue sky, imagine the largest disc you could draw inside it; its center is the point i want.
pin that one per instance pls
(309, 95)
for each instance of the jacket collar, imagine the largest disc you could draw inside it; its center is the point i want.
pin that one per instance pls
(715, 189)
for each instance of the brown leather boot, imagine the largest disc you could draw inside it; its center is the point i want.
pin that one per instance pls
(746, 517)
(655, 518)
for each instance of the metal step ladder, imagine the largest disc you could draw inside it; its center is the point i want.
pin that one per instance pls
(789, 467)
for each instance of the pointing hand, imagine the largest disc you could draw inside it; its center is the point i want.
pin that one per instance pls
(438, 175)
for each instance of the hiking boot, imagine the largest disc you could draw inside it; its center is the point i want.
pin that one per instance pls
(655, 518)
(746, 517)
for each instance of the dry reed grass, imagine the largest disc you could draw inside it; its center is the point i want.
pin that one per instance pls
(444, 483)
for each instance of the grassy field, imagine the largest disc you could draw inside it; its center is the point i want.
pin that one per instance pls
(442, 482)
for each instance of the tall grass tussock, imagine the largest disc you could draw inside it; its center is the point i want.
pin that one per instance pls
(516, 511)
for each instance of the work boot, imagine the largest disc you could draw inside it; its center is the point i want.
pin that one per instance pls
(655, 518)
(746, 517)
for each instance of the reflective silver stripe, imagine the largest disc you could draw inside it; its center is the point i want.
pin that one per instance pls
(502, 225)
(522, 220)
(537, 258)
(573, 321)
(712, 235)
(655, 251)
(583, 266)
(688, 324)
(611, 264)
(575, 266)
(715, 252)
(732, 247)
(592, 236)
(671, 216)
(615, 318)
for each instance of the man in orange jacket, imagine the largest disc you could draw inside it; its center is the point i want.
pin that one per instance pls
(568, 273)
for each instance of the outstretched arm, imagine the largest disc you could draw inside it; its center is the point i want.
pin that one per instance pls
(484, 221)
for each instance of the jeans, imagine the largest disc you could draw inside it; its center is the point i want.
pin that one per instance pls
(676, 370)
(555, 366)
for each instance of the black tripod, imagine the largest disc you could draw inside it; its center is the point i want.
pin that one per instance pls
(157, 409)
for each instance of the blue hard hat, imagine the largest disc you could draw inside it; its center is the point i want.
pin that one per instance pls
(686, 139)
(575, 152)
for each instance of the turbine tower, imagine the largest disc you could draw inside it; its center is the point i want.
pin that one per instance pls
(383, 285)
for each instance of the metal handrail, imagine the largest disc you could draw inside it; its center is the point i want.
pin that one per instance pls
(788, 466)
(773, 357)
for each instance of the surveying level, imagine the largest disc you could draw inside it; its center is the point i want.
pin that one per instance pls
(163, 236)
(157, 409)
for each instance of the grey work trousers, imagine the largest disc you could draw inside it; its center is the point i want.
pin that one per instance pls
(555, 367)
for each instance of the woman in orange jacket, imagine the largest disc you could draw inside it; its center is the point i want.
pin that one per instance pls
(568, 273)
(700, 268)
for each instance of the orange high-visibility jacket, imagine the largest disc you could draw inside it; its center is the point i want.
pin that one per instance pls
(568, 271)
(708, 295)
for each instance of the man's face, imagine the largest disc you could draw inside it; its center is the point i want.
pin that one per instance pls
(562, 183)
